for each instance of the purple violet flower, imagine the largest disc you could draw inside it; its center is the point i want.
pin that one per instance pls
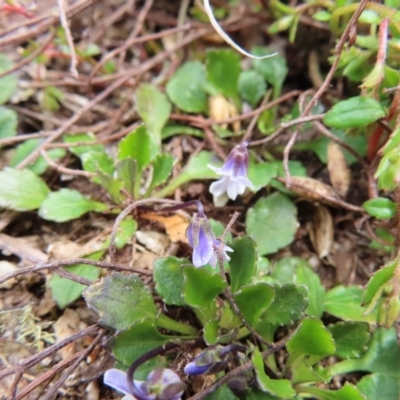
(203, 241)
(161, 384)
(234, 176)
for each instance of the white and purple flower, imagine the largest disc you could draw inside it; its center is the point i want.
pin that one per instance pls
(234, 176)
(161, 384)
(205, 245)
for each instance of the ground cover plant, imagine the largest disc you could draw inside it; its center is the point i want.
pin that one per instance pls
(199, 200)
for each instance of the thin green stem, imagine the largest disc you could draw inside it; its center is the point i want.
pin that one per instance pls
(168, 323)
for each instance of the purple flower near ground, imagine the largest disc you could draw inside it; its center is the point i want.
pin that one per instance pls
(234, 175)
(161, 384)
(203, 241)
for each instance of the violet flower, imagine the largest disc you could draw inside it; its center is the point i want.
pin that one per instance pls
(203, 241)
(161, 384)
(234, 176)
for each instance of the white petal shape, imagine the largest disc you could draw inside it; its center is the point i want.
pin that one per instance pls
(219, 187)
(232, 189)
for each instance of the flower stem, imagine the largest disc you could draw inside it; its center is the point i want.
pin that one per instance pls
(168, 323)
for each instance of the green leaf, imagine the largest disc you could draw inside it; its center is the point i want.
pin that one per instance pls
(169, 279)
(377, 282)
(129, 345)
(186, 88)
(380, 207)
(64, 291)
(93, 161)
(273, 69)
(136, 145)
(253, 300)
(260, 174)
(162, 168)
(9, 83)
(154, 108)
(67, 204)
(251, 86)
(347, 392)
(222, 393)
(297, 270)
(121, 301)
(125, 232)
(288, 306)
(323, 16)
(201, 288)
(128, 174)
(351, 338)
(223, 70)
(354, 113)
(112, 185)
(21, 190)
(345, 303)
(282, 388)
(304, 275)
(379, 386)
(210, 333)
(272, 222)
(383, 355)
(82, 138)
(197, 168)
(177, 129)
(39, 166)
(306, 373)
(242, 265)
(257, 394)
(8, 121)
(310, 339)
(51, 97)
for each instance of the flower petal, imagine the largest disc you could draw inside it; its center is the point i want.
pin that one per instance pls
(219, 187)
(117, 380)
(203, 252)
(232, 189)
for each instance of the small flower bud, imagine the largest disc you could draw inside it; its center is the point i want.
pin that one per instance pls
(208, 362)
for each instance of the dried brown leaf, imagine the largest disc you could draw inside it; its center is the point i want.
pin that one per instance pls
(174, 225)
(65, 327)
(315, 190)
(339, 172)
(322, 232)
(158, 243)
